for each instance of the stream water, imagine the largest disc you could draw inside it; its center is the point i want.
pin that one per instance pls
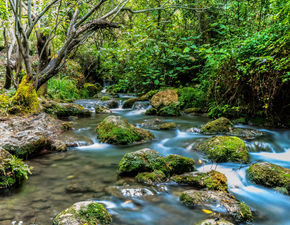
(92, 169)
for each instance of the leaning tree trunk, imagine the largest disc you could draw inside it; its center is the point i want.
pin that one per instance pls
(44, 54)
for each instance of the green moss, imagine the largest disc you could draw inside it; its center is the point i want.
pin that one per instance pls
(12, 170)
(26, 97)
(150, 178)
(117, 130)
(217, 126)
(95, 214)
(167, 126)
(179, 164)
(4, 101)
(130, 102)
(225, 149)
(246, 212)
(106, 98)
(148, 95)
(212, 180)
(269, 175)
(151, 111)
(172, 109)
(93, 89)
(192, 110)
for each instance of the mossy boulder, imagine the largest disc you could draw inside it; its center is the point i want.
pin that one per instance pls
(64, 110)
(144, 160)
(151, 111)
(93, 89)
(12, 170)
(129, 103)
(157, 124)
(172, 109)
(148, 95)
(238, 211)
(193, 110)
(270, 175)
(212, 180)
(150, 178)
(179, 164)
(117, 130)
(87, 212)
(105, 98)
(225, 149)
(216, 221)
(164, 98)
(220, 125)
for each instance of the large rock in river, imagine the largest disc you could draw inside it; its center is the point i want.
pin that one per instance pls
(117, 130)
(225, 149)
(270, 175)
(164, 98)
(212, 180)
(12, 170)
(80, 213)
(219, 202)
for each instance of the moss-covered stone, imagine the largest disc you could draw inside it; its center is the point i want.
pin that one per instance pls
(219, 125)
(26, 97)
(270, 175)
(12, 170)
(193, 110)
(64, 110)
(164, 98)
(129, 103)
(225, 149)
(145, 160)
(93, 89)
(212, 180)
(105, 98)
(217, 221)
(102, 109)
(148, 95)
(239, 211)
(117, 130)
(157, 124)
(172, 109)
(150, 178)
(81, 213)
(151, 112)
(179, 164)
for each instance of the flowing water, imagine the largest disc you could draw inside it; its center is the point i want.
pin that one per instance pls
(86, 172)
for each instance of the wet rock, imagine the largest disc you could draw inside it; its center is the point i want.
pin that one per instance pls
(225, 149)
(219, 202)
(12, 170)
(212, 180)
(117, 130)
(130, 192)
(129, 103)
(140, 105)
(102, 109)
(151, 178)
(65, 110)
(26, 137)
(225, 126)
(216, 221)
(164, 98)
(145, 160)
(157, 124)
(193, 110)
(78, 188)
(179, 164)
(87, 212)
(270, 175)
(219, 125)
(111, 104)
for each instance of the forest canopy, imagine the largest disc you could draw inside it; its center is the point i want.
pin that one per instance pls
(227, 57)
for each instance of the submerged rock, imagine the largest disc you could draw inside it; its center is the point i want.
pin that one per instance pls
(212, 180)
(131, 192)
(12, 170)
(65, 110)
(102, 109)
(117, 130)
(157, 124)
(87, 212)
(216, 221)
(220, 202)
(270, 175)
(219, 125)
(26, 137)
(225, 149)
